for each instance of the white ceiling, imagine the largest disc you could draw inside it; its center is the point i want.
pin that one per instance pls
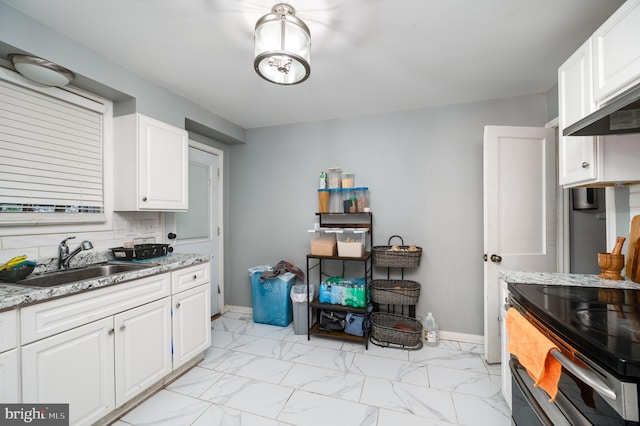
(368, 56)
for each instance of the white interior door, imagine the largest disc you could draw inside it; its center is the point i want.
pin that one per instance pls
(198, 229)
(519, 213)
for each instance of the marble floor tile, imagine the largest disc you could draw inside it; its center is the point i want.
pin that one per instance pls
(394, 418)
(224, 416)
(464, 381)
(320, 357)
(238, 315)
(231, 325)
(253, 396)
(446, 344)
(310, 409)
(475, 411)
(195, 381)
(476, 348)
(213, 356)
(222, 339)
(319, 341)
(411, 399)
(167, 408)
(255, 367)
(325, 381)
(265, 375)
(260, 346)
(390, 369)
(267, 331)
(386, 352)
(451, 358)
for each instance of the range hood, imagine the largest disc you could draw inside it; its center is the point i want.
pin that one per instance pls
(619, 116)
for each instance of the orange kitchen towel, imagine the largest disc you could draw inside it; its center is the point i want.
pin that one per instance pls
(533, 349)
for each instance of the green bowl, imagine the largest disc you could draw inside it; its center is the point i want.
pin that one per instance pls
(14, 275)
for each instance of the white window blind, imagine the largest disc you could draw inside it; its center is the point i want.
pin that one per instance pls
(50, 157)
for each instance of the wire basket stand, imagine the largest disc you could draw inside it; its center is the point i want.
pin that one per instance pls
(393, 322)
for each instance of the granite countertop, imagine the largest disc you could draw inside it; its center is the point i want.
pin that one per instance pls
(12, 295)
(552, 278)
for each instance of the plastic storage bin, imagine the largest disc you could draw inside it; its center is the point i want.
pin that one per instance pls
(271, 298)
(323, 242)
(351, 242)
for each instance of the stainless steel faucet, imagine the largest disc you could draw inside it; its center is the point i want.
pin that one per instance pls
(64, 257)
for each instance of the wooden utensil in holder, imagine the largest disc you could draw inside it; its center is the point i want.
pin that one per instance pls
(612, 263)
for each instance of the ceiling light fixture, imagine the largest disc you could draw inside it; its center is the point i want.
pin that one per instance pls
(41, 71)
(282, 47)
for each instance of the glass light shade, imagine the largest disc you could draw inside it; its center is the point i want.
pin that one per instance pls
(282, 47)
(41, 70)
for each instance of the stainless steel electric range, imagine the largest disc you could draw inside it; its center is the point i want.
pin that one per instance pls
(598, 333)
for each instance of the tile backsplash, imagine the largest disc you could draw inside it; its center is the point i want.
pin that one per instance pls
(126, 227)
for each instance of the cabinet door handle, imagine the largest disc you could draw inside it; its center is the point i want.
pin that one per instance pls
(177, 305)
(144, 198)
(122, 327)
(111, 331)
(585, 164)
(195, 277)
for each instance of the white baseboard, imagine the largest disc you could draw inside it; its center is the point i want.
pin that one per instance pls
(462, 337)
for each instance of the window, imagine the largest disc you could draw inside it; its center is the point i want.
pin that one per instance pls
(51, 155)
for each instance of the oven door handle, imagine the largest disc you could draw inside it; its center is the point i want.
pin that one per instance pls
(587, 376)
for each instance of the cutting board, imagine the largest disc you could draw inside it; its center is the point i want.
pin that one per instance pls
(633, 250)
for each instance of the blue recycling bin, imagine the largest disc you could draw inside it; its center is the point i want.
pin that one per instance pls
(271, 298)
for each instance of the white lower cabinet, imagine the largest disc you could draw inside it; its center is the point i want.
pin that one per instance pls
(9, 366)
(9, 377)
(191, 334)
(98, 350)
(79, 366)
(142, 348)
(74, 367)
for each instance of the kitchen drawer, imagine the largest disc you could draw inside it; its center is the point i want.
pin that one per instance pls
(184, 279)
(49, 318)
(8, 330)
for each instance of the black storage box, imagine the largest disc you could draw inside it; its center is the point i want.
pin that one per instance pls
(140, 251)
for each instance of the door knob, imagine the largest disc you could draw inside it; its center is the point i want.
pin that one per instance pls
(495, 258)
(171, 236)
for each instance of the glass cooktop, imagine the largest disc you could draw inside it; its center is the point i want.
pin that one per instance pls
(601, 323)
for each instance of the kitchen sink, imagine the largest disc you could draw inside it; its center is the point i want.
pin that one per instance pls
(98, 270)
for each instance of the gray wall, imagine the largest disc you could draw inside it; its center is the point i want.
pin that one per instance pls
(424, 171)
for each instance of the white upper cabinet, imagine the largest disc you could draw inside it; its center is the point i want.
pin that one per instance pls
(577, 154)
(616, 52)
(602, 67)
(150, 165)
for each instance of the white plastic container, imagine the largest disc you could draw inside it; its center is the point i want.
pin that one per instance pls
(334, 177)
(335, 200)
(351, 241)
(431, 331)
